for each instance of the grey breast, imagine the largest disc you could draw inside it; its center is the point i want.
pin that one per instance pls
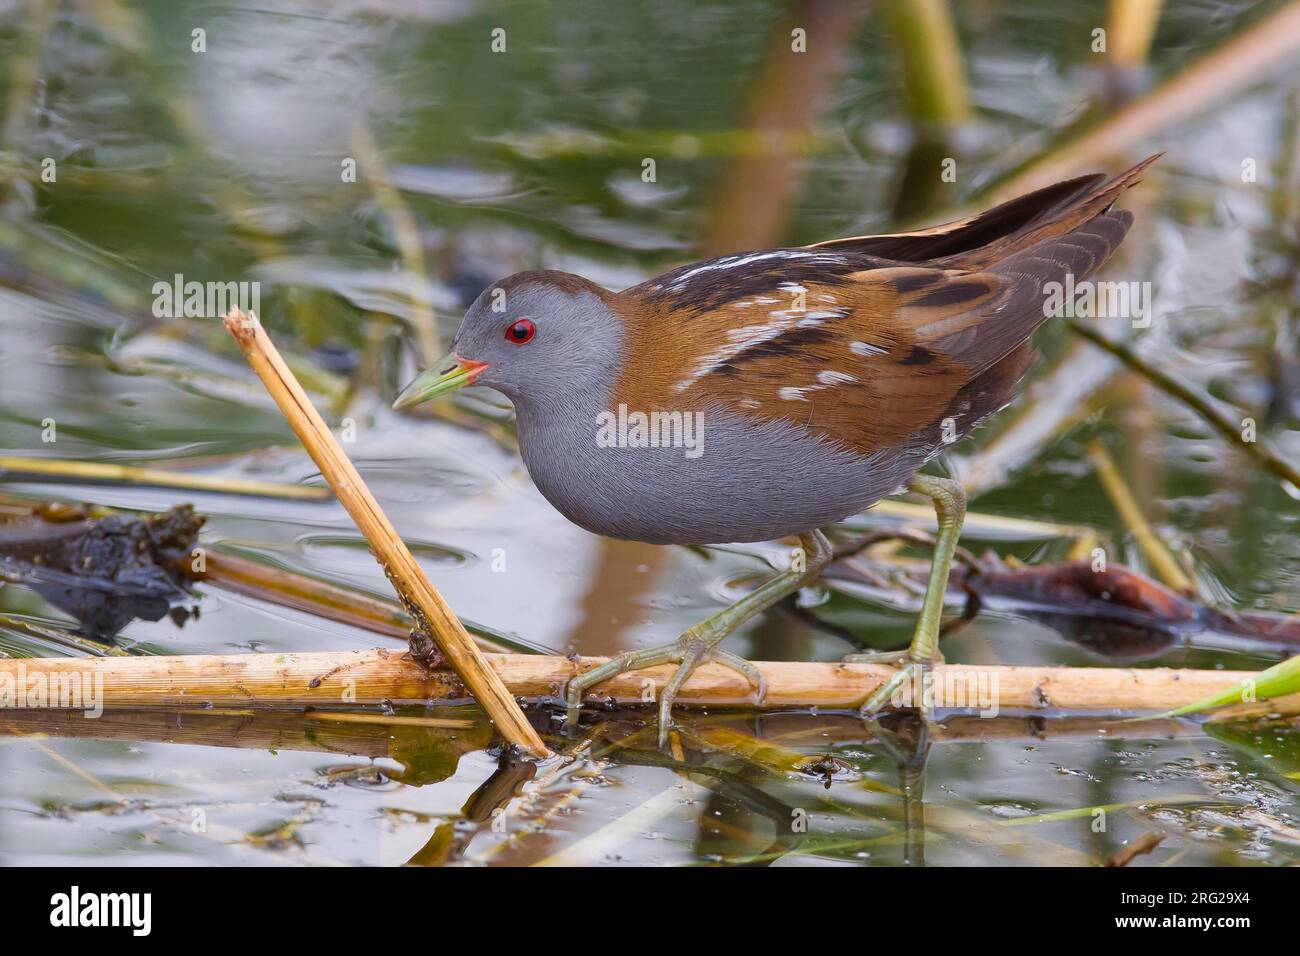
(744, 480)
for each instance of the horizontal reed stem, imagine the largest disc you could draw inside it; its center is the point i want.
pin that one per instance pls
(374, 676)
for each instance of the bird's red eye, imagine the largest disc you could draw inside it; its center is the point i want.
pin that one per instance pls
(521, 331)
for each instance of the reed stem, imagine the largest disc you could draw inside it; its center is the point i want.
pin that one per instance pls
(13, 468)
(435, 623)
(934, 74)
(378, 676)
(1232, 431)
(1163, 562)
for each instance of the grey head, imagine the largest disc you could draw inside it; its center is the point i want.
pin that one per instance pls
(547, 340)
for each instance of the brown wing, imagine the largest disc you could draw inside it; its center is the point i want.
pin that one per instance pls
(850, 360)
(863, 350)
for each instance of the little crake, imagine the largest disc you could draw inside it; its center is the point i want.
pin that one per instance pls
(771, 393)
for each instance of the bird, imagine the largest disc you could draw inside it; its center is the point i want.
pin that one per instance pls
(767, 394)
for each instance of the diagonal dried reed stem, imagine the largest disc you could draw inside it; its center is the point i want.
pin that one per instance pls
(435, 623)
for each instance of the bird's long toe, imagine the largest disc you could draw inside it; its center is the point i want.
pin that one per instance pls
(907, 687)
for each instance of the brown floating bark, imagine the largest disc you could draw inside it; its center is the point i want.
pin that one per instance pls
(434, 619)
(375, 676)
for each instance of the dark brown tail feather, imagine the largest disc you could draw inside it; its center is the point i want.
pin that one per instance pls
(1070, 212)
(1003, 349)
(978, 241)
(1068, 228)
(1024, 277)
(964, 235)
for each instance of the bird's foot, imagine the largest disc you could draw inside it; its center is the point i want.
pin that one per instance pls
(910, 686)
(885, 657)
(688, 652)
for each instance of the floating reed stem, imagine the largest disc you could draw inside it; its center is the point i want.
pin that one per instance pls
(435, 622)
(376, 676)
(1231, 430)
(267, 583)
(1219, 74)
(13, 468)
(1165, 565)
(263, 581)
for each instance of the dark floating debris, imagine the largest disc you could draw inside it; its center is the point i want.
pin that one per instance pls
(1119, 612)
(824, 767)
(104, 570)
(1116, 612)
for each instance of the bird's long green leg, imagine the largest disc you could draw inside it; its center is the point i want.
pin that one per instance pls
(700, 643)
(950, 505)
